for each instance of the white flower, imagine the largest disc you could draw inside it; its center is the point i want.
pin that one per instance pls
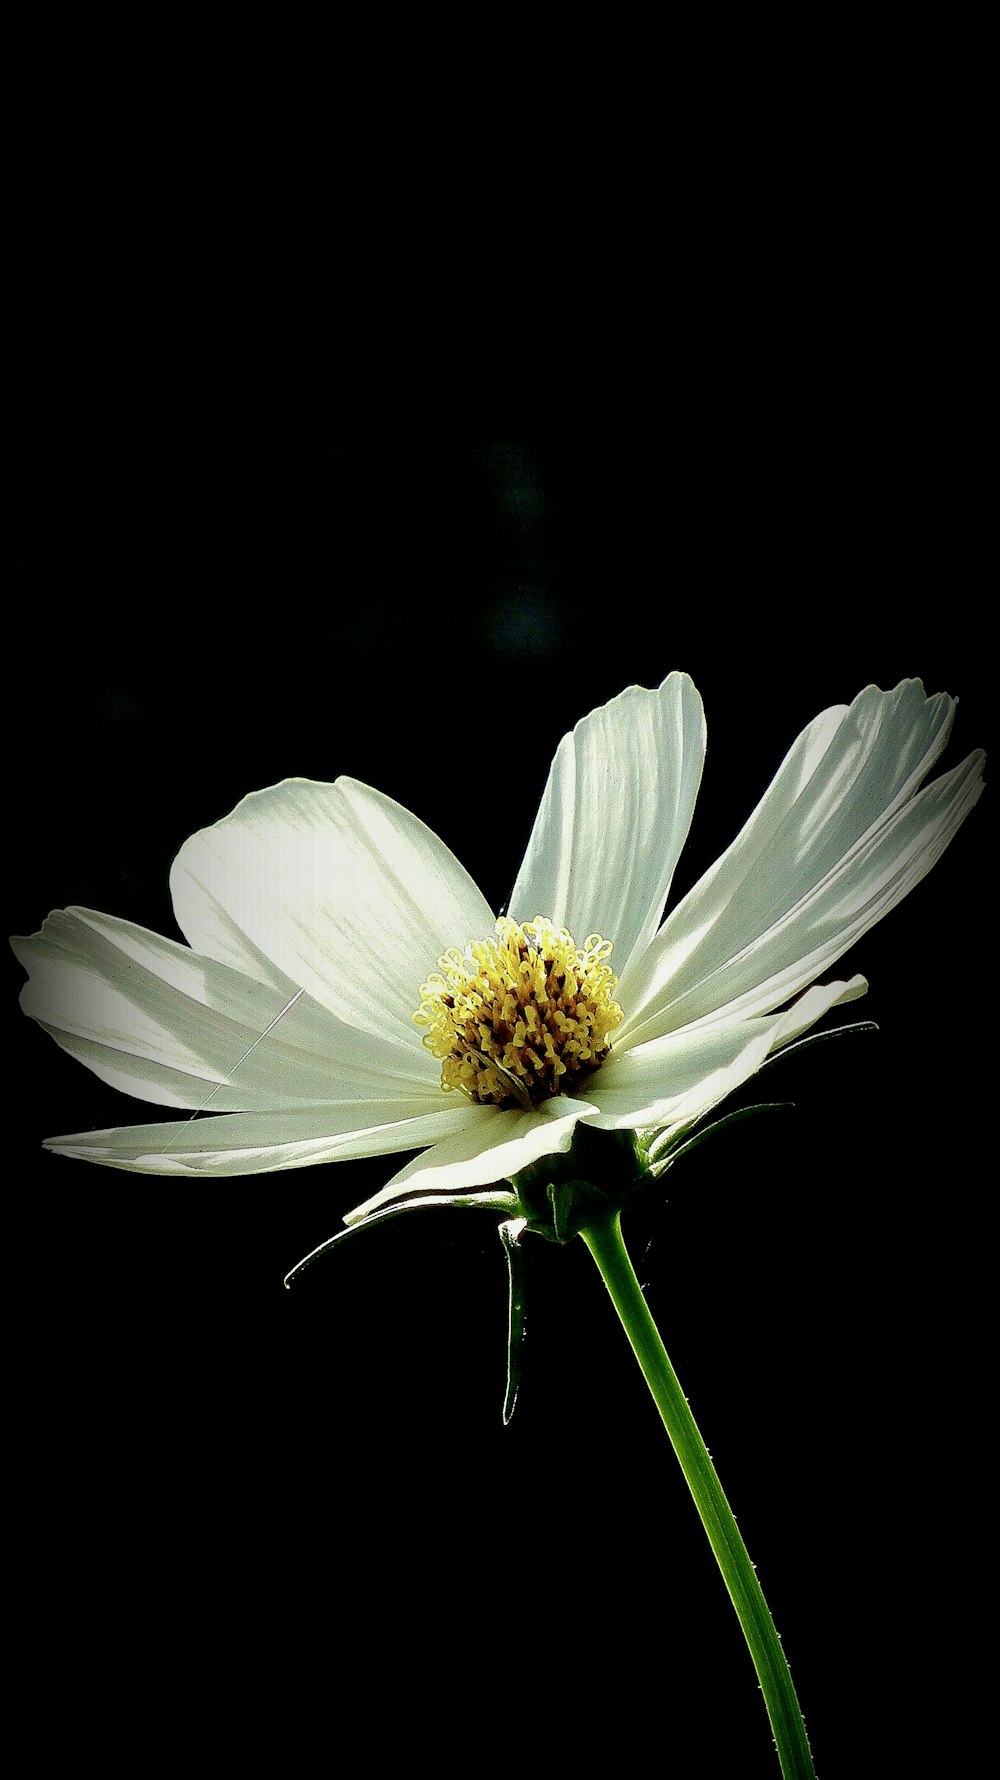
(316, 916)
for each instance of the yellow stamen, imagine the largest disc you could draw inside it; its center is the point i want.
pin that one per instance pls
(520, 1017)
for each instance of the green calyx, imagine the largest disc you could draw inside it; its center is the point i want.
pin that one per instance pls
(559, 1196)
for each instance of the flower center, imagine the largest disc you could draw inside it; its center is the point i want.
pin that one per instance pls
(520, 1017)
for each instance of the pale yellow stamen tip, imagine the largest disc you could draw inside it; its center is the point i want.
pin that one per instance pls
(520, 1017)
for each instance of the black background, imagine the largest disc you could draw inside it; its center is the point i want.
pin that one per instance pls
(285, 1507)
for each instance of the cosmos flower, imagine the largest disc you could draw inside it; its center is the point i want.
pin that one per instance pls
(347, 991)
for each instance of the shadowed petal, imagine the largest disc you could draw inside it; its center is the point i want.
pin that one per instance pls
(492, 1146)
(262, 1143)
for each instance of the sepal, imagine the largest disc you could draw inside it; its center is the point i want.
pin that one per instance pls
(492, 1201)
(560, 1195)
(664, 1148)
(510, 1235)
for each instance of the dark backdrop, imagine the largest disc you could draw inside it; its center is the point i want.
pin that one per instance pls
(298, 1508)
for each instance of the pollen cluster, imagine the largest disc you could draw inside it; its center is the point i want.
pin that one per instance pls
(522, 1016)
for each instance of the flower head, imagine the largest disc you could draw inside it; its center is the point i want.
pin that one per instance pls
(347, 991)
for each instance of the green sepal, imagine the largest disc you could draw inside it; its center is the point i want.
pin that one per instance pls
(817, 1038)
(574, 1204)
(558, 1196)
(510, 1235)
(495, 1201)
(662, 1148)
(663, 1151)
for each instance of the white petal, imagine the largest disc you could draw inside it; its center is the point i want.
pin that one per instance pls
(675, 1080)
(837, 840)
(156, 1020)
(492, 1147)
(614, 816)
(340, 888)
(262, 1143)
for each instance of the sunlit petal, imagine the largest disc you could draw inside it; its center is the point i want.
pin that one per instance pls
(837, 841)
(675, 1080)
(614, 816)
(345, 892)
(156, 1020)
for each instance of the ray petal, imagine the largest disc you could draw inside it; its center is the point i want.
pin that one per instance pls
(839, 838)
(491, 1147)
(673, 1081)
(340, 889)
(156, 1020)
(263, 1143)
(614, 816)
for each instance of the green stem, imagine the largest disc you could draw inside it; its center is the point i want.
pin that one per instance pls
(604, 1241)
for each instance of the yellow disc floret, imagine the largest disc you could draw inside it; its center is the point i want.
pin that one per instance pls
(522, 1016)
